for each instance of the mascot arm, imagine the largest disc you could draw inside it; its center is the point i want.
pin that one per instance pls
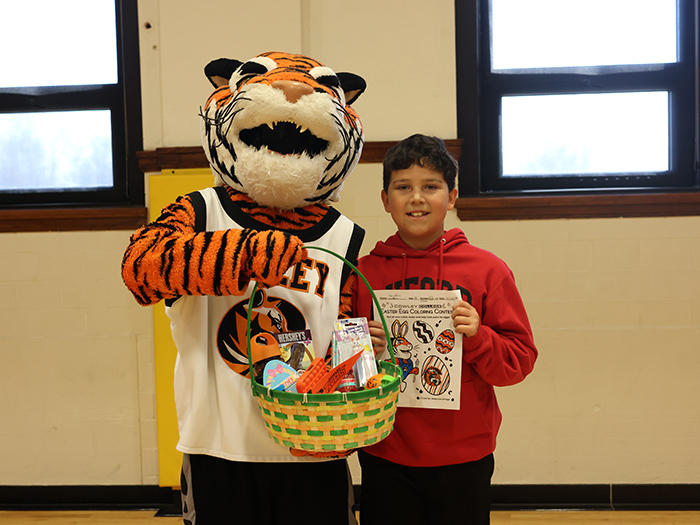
(168, 258)
(345, 309)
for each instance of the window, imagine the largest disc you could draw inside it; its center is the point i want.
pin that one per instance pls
(70, 109)
(577, 97)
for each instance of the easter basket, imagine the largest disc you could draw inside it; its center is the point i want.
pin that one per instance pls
(333, 422)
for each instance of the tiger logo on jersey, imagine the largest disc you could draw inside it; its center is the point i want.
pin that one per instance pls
(270, 314)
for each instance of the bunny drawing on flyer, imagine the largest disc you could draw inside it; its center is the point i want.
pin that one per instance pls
(403, 348)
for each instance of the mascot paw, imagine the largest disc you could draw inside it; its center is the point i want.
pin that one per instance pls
(334, 454)
(271, 253)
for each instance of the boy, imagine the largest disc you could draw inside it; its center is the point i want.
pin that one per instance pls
(436, 466)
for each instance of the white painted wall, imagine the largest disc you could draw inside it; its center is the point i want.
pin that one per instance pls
(613, 302)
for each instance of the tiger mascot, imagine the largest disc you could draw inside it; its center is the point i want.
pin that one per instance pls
(280, 137)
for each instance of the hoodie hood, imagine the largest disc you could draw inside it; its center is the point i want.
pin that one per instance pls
(395, 247)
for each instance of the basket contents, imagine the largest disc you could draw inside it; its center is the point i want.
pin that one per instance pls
(278, 375)
(312, 375)
(263, 349)
(292, 348)
(352, 362)
(296, 348)
(378, 380)
(350, 337)
(319, 380)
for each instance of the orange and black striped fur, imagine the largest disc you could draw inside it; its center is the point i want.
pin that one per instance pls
(169, 258)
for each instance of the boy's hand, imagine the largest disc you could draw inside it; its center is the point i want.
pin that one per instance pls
(378, 335)
(466, 319)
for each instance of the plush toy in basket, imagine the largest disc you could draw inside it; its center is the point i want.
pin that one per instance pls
(332, 422)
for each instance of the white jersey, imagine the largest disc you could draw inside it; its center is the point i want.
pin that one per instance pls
(217, 413)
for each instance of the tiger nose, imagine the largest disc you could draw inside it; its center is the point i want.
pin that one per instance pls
(292, 90)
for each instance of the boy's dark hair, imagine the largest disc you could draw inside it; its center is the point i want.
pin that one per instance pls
(425, 151)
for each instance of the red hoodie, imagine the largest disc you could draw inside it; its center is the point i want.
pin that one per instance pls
(501, 353)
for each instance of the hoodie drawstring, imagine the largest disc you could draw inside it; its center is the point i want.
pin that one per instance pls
(403, 273)
(442, 264)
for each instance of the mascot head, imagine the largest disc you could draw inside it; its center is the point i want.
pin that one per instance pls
(280, 128)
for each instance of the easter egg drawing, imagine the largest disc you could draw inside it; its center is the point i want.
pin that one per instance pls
(423, 331)
(435, 376)
(445, 342)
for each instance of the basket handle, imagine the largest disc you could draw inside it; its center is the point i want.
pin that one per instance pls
(354, 268)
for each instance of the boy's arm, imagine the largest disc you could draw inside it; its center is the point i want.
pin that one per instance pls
(502, 351)
(168, 258)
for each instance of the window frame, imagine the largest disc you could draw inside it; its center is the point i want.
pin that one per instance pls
(478, 100)
(124, 102)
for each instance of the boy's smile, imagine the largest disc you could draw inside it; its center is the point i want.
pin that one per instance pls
(418, 199)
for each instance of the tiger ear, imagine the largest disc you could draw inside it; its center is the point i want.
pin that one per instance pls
(219, 71)
(353, 85)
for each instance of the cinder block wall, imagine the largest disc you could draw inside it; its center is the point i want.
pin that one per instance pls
(614, 302)
(77, 380)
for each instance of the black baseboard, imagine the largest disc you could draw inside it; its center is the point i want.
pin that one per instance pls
(166, 501)
(88, 497)
(597, 497)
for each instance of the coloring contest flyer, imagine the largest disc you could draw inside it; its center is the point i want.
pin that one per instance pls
(423, 337)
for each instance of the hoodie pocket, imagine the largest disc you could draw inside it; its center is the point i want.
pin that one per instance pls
(479, 408)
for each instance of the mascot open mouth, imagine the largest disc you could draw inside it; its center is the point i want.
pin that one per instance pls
(285, 138)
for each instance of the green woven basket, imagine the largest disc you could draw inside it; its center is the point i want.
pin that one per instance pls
(330, 422)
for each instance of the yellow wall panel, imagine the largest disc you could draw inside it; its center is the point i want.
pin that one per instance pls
(164, 189)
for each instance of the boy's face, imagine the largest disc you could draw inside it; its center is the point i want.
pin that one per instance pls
(418, 200)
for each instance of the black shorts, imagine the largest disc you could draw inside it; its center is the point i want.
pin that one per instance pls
(216, 491)
(448, 495)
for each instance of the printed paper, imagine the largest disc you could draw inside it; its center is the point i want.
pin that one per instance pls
(430, 356)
